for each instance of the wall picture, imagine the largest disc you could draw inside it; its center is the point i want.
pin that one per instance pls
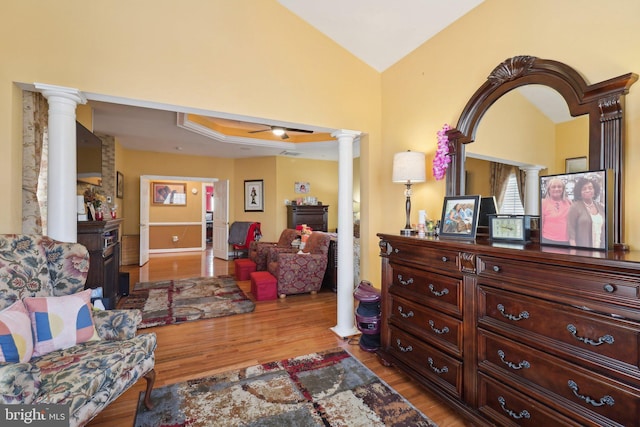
(169, 193)
(254, 196)
(302, 187)
(119, 185)
(460, 217)
(574, 209)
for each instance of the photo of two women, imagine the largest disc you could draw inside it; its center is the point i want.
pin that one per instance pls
(573, 210)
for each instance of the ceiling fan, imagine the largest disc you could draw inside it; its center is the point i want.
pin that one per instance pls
(281, 131)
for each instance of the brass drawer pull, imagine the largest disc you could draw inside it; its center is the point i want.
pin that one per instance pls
(606, 400)
(404, 282)
(605, 339)
(406, 349)
(523, 414)
(442, 331)
(441, 293)
(403, 314)
(444, 369)
(523, 364)
(521, 316)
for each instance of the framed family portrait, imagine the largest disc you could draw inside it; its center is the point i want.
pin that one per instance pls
(460, 217)
(254, 196)
(169, 193)
(575, 209)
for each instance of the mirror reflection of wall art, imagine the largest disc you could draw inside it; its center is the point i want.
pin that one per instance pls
(169, 193)
(302, 187)
(254, 196)
(574, 209)
(576, 164)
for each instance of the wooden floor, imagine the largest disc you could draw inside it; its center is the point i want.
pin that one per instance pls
(279, 329)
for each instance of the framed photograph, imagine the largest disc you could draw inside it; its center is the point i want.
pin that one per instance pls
(302, 187)
(460, 217)
(119, 185)
(169, 193)
(575, 209)
(254, 196)
(576, 164)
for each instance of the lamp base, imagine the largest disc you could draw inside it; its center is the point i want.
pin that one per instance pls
(408, 232)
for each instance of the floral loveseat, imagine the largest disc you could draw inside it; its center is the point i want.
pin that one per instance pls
(41, 281)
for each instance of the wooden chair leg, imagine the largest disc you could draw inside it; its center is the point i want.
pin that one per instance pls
(151, 379)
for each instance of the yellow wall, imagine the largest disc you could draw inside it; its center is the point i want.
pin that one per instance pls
(431, 85)
(217, 55)
(572, 140)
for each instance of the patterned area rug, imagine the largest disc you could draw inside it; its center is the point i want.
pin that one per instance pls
(173, 301)
(331, 388)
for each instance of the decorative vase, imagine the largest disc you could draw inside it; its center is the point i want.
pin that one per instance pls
(99, 214)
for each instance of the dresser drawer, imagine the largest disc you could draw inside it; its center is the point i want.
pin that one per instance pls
(444, 260)
(441, 330)
(569, 387)
(435, 290)
(592, 337)
(438, 367)
(591, 284)
(507, 407)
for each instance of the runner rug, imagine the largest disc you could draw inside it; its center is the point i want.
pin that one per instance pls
(173, 301)
(329, 388)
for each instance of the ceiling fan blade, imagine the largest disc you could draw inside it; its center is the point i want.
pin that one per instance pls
(298, 130)
(257, 131)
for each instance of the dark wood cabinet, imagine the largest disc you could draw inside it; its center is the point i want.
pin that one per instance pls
(515, 335)
(102, 239)
(315, 217)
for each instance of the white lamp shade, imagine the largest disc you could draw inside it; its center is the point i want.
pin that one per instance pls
(409, 166)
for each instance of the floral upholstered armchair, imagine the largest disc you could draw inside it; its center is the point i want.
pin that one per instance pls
(259, 251)
(54, 349)
(302, 271)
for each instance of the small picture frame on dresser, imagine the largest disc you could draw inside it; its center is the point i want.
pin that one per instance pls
(460, 217)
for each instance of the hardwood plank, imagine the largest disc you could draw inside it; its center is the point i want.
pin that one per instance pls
(277, 329)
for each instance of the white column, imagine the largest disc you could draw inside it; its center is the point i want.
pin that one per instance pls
(62, 174)
(346, 324)
(531, 190)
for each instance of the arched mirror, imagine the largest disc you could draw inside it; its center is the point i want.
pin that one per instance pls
(602, 103)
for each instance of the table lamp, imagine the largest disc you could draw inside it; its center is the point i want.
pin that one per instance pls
(408, 168)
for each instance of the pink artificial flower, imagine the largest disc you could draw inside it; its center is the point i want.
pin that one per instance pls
(441, 160)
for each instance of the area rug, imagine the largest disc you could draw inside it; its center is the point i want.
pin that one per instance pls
(173, 301)
(329, 388)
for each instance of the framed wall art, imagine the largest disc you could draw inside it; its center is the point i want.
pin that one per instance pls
(302, 187)
(119, 185)
(254, 196)
(460, 217)
(576, 164)
(575, 209)
(169, 193)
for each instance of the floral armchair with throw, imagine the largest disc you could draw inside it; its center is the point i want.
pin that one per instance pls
(54, 349)
(259, 251)
(302, 271)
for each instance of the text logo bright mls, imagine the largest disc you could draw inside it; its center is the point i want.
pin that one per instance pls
(34, 415)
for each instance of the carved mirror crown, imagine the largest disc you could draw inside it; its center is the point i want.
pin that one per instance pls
(603, 102)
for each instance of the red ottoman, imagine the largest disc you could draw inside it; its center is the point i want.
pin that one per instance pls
(243, 268)
(263, 286)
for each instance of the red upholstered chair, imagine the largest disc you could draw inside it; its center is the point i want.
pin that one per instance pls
(259, 251)
(241, 234)
(298, 273)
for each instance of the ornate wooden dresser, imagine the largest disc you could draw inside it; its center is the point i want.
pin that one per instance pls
(513, 334)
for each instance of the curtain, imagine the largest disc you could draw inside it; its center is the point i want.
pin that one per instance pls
(34, 163)
(499, 179)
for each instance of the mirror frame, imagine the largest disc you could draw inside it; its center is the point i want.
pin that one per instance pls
(603, 102)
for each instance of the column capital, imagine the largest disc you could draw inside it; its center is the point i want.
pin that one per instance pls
(342, 133)
(60, 91)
